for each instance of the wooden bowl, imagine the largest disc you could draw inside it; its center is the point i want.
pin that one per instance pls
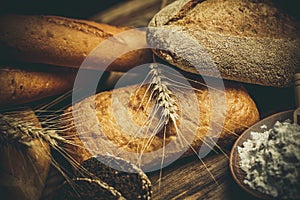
(237, 173)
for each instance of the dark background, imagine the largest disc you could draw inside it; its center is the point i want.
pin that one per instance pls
(76, 9)
(87, 8)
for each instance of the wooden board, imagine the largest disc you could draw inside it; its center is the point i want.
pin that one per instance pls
(189, 178)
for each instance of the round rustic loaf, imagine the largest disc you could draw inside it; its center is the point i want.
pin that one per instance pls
(250, 41)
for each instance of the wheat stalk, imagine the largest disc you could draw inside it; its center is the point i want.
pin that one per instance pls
(163, 96)
(21, 132)
(16, 132)
(164, 100)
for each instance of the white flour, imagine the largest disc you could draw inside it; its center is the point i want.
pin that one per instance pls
(271, 160)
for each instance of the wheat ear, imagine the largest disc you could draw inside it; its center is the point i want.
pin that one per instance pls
(21, 132)
(163, 96)
(164, 100)
(14, 132)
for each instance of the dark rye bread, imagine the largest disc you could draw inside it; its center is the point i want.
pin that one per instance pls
(128, 183)
(67, 42)
(250, 41)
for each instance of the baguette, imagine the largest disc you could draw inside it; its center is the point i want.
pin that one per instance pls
(112, 126)
(23, 85)
(67, 42)
(248, 41)
(23, 169)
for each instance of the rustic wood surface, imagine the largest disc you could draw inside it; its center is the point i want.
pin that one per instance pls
(189, 178)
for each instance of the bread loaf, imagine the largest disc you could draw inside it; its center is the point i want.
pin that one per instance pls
(67, 42)
(26, 84)
(246, 40)
(23, 169)
(105, 123)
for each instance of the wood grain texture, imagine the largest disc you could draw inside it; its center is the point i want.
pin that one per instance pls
(189, 179)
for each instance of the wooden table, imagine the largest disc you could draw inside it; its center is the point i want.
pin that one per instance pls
(188, 178)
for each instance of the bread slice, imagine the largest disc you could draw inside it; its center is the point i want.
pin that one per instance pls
(129, 183)
(250, 41)
(67, 42)
(117, 122)
(27, 84)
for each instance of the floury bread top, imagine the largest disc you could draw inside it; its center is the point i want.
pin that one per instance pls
(248, 41)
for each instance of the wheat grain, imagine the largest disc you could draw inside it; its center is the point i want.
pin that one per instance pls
(20, 129)
(166, 102)
(11, 134)
(163, 96)
(15, 131)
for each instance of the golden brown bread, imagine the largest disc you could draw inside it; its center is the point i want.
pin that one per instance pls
(23, 169)
(67, 42)
(250, 41)
(110, 128)
(23, 85)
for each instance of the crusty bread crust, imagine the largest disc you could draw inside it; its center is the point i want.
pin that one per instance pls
(112, 124)
(23, 85)
(248, 41)
(28, 166)
(67, 42)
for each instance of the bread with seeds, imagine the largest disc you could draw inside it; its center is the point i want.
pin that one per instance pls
(113, 178)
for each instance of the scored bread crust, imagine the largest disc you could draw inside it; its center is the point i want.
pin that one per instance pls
(115, 122)
(67, 42)
(21, 85)
(247, 41)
